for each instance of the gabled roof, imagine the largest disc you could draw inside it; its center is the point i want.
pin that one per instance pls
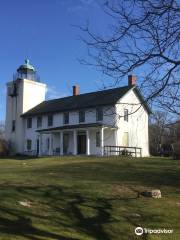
(142, 100)
(82, 101)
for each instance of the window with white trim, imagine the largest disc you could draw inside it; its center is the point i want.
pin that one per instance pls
(29, 122)
(99, 114)
(39, 121)
(66, 118)
(50, 120)
(29, 144)
(98, 139)
(126, 115)
(81, 116)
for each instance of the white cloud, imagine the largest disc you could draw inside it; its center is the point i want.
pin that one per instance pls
(78, 5)
(87, 2)
(52, 93)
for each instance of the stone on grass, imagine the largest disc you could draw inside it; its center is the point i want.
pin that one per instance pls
(155, 193)
(25, 203)
(136, 215)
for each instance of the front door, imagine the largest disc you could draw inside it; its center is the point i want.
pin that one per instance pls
(81, 141)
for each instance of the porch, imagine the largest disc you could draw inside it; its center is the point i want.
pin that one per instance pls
(87, 139)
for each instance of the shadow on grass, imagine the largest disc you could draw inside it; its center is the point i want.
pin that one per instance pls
(167, 175)
(61, 203)
(23, 227)
(19, 157)
(67, 210)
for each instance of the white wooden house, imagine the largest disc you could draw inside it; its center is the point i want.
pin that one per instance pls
(78, 124)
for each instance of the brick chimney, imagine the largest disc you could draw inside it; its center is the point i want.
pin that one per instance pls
(75, 90)
(131, 80)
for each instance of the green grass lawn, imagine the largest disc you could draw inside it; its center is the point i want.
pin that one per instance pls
(88, 198)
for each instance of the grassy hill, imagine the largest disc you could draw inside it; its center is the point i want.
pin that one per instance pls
(86, 198)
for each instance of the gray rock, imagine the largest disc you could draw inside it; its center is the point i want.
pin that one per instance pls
(25, 203)
(135, 215)
(155, 193)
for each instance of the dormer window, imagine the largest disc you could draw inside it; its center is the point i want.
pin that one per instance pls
(81, 116)
(29, 122)
(50, 120)
(66, 118)
(99, 114)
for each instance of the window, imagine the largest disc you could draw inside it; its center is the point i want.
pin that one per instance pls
(47, 143)
(97, 139)
(81, 116)
(99, 114)
(39, 121)
(66, 118)
(50, 120)
(13, 125)
(126, 115)
(29, 145)
(29, 123)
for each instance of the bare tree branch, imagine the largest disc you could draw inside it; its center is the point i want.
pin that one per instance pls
(144, 37)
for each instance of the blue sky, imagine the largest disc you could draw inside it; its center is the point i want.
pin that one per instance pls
(42, 31)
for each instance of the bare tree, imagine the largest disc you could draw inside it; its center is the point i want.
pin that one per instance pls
(157, 131)
(143, 38)
(173, 130)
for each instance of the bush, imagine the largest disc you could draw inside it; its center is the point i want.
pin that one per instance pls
(125, 152)
(4, 148)
(176, 150)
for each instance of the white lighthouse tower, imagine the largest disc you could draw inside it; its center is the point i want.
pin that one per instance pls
(23, 93)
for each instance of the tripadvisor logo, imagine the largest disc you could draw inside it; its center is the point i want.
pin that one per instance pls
(139, 231)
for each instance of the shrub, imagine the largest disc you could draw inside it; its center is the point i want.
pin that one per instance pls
(125, 152)
(4, 148)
